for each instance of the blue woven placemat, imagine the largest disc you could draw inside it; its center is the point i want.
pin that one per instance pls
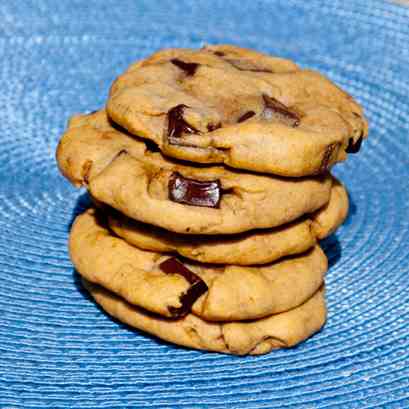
(58, 350)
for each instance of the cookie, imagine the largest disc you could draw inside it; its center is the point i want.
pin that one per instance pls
(254, 247)
(326, 220)
(171, 288)
(250, 248)
(240, 338)
(225, 104)
(125, 174)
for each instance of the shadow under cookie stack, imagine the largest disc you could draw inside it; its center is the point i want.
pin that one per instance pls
(209, 174)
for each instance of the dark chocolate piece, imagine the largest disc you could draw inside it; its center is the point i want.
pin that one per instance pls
(354, 147)
(174, 266)
(197, 288)
(194, 192)
(276, 109)
(177, 124)
(247, 115)
(219, 53)
(188, 299)
(189, 67)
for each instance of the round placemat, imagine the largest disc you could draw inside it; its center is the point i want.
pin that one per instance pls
(58, 349)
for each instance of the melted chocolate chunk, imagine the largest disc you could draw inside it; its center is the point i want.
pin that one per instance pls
(354, 147)
(219, 53)
(189, 67)
(197, 288)
(173, 266)
(247, 115)
(194, 192)
(275, 109)
(177, 124)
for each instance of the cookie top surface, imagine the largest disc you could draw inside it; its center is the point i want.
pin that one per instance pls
(122, 172)
(225, 104)
(161, 284)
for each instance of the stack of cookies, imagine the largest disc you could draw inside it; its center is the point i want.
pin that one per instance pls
(209, 174)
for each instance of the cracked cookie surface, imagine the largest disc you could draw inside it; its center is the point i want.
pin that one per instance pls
(226, 104)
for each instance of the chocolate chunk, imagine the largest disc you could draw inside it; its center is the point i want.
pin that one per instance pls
(197, 288)
(188, 299)
(194, 192)
(219, 53)
(177, 124)
(213, 127)
(189, 67)
(354, 147)
(246, 116)
(327, 157)
(275, 109)
(173, 266)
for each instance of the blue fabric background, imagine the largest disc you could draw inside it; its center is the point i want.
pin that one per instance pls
(58, 350)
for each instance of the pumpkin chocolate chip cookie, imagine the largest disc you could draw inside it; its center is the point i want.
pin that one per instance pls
(226, 104)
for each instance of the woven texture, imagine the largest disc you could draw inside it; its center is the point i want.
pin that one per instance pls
(58, 350)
